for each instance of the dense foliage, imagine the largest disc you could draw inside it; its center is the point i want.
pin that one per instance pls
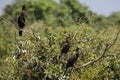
(46, 28)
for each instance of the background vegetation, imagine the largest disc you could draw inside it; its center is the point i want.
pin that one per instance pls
(47, 24)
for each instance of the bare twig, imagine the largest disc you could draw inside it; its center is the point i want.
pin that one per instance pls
(76, 32)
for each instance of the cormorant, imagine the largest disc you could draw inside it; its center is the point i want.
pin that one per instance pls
(21, 20)
(66, 46)
(72, 60)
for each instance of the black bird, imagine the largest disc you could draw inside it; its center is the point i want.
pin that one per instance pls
(72, 60)
(66, 46)
(21, 20)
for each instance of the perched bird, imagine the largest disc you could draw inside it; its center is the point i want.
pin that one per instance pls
(21, 20)
(72, 60)
(66, 46)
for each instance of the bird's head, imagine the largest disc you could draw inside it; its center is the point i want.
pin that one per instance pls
(68, 38)
(77, 51)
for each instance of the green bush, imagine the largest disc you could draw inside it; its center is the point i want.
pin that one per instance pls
(47, 24)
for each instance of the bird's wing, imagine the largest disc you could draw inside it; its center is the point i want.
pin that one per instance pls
(64, 47)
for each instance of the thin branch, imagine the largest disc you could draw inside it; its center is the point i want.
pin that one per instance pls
(76, 32)
(108, 46)
(115, 39)
(115, 44)
(8, 21)
(15, 24)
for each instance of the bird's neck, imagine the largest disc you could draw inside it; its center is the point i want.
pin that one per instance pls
(77, 55)
(67, 41)
(22, 13)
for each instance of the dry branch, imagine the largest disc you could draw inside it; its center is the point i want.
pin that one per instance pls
(108, 46)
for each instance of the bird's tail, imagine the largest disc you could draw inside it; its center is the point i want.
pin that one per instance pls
(20, 32)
